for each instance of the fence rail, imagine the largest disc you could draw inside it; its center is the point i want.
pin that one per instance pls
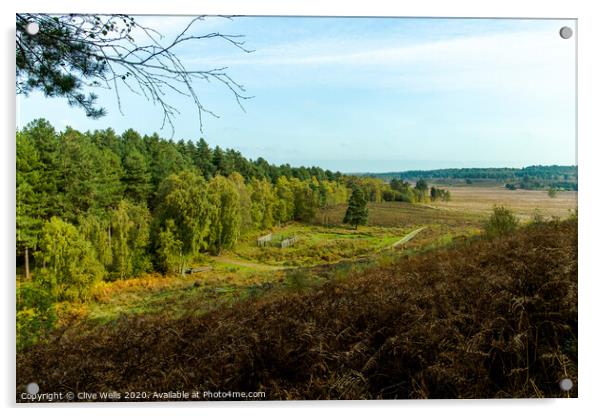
(265, 240)
(288, 242)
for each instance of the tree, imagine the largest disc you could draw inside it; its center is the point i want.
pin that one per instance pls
(421, 185)
(169, 251)
(165, 159)
(130, 239)
(306, 201)
(72, 54)
(30, 199)
(284, 209)
(244, 202)
(108, 172)
(137, 176)
(502, 221)
(262, 203)
(222, 161)
(224, 214)
(552, 192)
(36, 314)
(70, 266)
(357, 210)
(203, 159)
(95, 227)
(45, 141)
(182, 198)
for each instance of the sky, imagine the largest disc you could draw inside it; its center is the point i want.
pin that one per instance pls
(365, 94)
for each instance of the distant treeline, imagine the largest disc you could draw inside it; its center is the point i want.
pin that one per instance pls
(530, 177)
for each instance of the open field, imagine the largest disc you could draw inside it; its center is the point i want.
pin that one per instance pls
(491, 318)
(480, 200)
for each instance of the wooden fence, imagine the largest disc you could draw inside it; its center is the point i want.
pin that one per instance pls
(265, 240)
(288, 242)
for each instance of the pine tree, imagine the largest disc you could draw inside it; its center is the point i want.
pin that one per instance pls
(357, 210)
(107, 175)
(77, 169)
(45, 141)
(30, 199)
(137, 177)
(203, 159)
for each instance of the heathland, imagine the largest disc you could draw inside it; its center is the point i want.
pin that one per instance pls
(149, 264)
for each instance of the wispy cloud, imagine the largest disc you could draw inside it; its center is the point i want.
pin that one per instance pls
(525, 59)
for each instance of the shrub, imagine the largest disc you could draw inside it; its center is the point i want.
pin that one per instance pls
(296, 280)
(537, 217)
(501, 221)
(35, 314)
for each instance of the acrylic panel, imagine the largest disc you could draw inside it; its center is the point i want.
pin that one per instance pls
(295, 208)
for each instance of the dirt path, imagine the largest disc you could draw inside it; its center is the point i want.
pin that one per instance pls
(407, 237)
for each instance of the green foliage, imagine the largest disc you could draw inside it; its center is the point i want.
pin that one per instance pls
(262, 203)
(169, 251)
(95, 227)
(130, 239)
(421, 185)
(440, 194)
(502, 221)
(297, 279)
(244, 202)
(530, 177)
(35, 314)
(165, 159)
(552, 192)
(421, 191)
(31, 204)
(70, 266)
(306, 201)
(225, 216)
(57, 60)
(357, 210)
(183, 200)
(537, 217)
(137, 177)
(285, 201)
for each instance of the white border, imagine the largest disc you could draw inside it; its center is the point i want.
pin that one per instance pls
(589, 157)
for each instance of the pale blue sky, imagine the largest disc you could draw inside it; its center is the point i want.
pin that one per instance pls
(369, 94)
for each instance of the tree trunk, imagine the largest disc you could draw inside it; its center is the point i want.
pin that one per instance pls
(26, 263)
